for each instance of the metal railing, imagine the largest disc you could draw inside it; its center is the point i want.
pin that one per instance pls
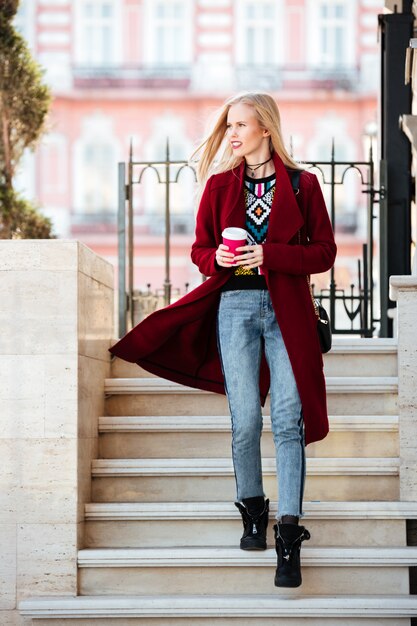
(356, 304)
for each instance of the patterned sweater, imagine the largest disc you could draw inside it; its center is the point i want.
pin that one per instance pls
(259, 195)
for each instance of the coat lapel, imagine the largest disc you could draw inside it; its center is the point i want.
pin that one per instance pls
(286, 218)
(234, 214)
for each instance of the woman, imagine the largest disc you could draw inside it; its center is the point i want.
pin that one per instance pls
(252, 326)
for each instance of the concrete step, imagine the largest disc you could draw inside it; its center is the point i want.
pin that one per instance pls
(326, 571)
(199, 435)
(334, 384)
(223, 467)
(122, 525)
(203, 610)
(372, 357)
(221, 423)
(358, 395)
(183, 480)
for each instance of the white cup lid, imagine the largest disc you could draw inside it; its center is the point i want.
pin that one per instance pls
(234, 233)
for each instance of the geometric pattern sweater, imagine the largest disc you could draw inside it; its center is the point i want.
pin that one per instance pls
(259, 195)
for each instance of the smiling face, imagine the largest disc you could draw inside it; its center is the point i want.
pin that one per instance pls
(247, 138)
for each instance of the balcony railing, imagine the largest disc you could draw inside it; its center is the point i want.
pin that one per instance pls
(278, 77)
(146, 76)
(271, 77)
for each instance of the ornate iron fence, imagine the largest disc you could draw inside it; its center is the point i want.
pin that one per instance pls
(353, 309)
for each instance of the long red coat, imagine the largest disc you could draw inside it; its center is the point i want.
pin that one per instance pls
(179, 342)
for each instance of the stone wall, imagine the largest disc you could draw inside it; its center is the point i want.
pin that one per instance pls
(403, 290)
(56, 312)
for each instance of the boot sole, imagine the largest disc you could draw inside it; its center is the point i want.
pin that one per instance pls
(285, 582)
(252, 546)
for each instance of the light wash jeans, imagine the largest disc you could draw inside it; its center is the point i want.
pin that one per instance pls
(246, 325)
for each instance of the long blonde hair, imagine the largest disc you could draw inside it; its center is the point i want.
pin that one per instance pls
(214, 145)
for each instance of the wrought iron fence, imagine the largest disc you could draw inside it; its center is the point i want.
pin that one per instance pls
(353, 309)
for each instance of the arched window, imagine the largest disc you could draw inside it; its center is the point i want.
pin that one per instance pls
(95, 165)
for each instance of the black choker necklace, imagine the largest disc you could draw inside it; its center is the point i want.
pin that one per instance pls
(256, 166)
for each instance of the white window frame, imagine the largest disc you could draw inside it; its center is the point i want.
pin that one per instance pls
(149, 26)
(240, 7)
(314, 54)
(96, 128)
(80, 49)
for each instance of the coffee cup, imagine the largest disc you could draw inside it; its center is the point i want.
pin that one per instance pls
(234, 238)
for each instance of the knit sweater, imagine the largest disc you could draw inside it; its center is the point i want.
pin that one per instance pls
(259, 195)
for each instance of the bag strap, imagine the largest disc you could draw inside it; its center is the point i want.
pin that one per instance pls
(295, 182)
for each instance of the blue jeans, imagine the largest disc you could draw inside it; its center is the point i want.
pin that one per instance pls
(247, 325)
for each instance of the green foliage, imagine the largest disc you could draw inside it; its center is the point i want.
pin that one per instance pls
(24, 104)
(19, 219)
(8, 8)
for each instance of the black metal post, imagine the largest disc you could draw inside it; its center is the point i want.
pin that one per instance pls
(333, 220)
(395, 218)
(167, 283)
(130, 251)
(121, 228)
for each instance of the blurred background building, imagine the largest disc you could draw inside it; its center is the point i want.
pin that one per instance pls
(150, 70)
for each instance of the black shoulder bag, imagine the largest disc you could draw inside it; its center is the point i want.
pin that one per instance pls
(324, 330)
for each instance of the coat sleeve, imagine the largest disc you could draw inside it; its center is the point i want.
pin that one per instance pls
(203, 250)
(318, 254)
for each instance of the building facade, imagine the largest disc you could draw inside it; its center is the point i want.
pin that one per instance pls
(144, 71)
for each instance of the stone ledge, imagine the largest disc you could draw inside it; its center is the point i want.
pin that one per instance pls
(218, 606)
(401, 283)
(232, 557)
(145, 511)
(334, 384)
(219, 423)
(106, 468)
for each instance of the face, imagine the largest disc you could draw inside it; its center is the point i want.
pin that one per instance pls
(246, 137)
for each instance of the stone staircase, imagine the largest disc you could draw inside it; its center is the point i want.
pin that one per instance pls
(162, 534)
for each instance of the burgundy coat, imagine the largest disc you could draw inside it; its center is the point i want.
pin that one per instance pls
(179, 342)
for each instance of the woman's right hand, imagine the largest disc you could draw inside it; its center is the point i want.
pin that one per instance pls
(224, 258)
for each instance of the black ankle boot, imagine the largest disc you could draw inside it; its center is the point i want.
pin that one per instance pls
(288, 539)
(254, 533)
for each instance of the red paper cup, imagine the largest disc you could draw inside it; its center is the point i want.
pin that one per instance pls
(234, 238)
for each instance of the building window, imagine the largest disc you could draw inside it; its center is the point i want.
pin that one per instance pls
(258, 35)
(332, 33)
(95, 158)
(168, 38)
(99, 183)
(259, 43)
(97, 32)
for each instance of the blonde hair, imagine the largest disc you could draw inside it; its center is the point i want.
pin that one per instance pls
(214, 145)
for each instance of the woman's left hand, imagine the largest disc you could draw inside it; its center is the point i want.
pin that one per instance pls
(253, 257)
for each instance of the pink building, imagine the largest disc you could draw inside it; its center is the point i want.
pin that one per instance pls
(148, 70)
